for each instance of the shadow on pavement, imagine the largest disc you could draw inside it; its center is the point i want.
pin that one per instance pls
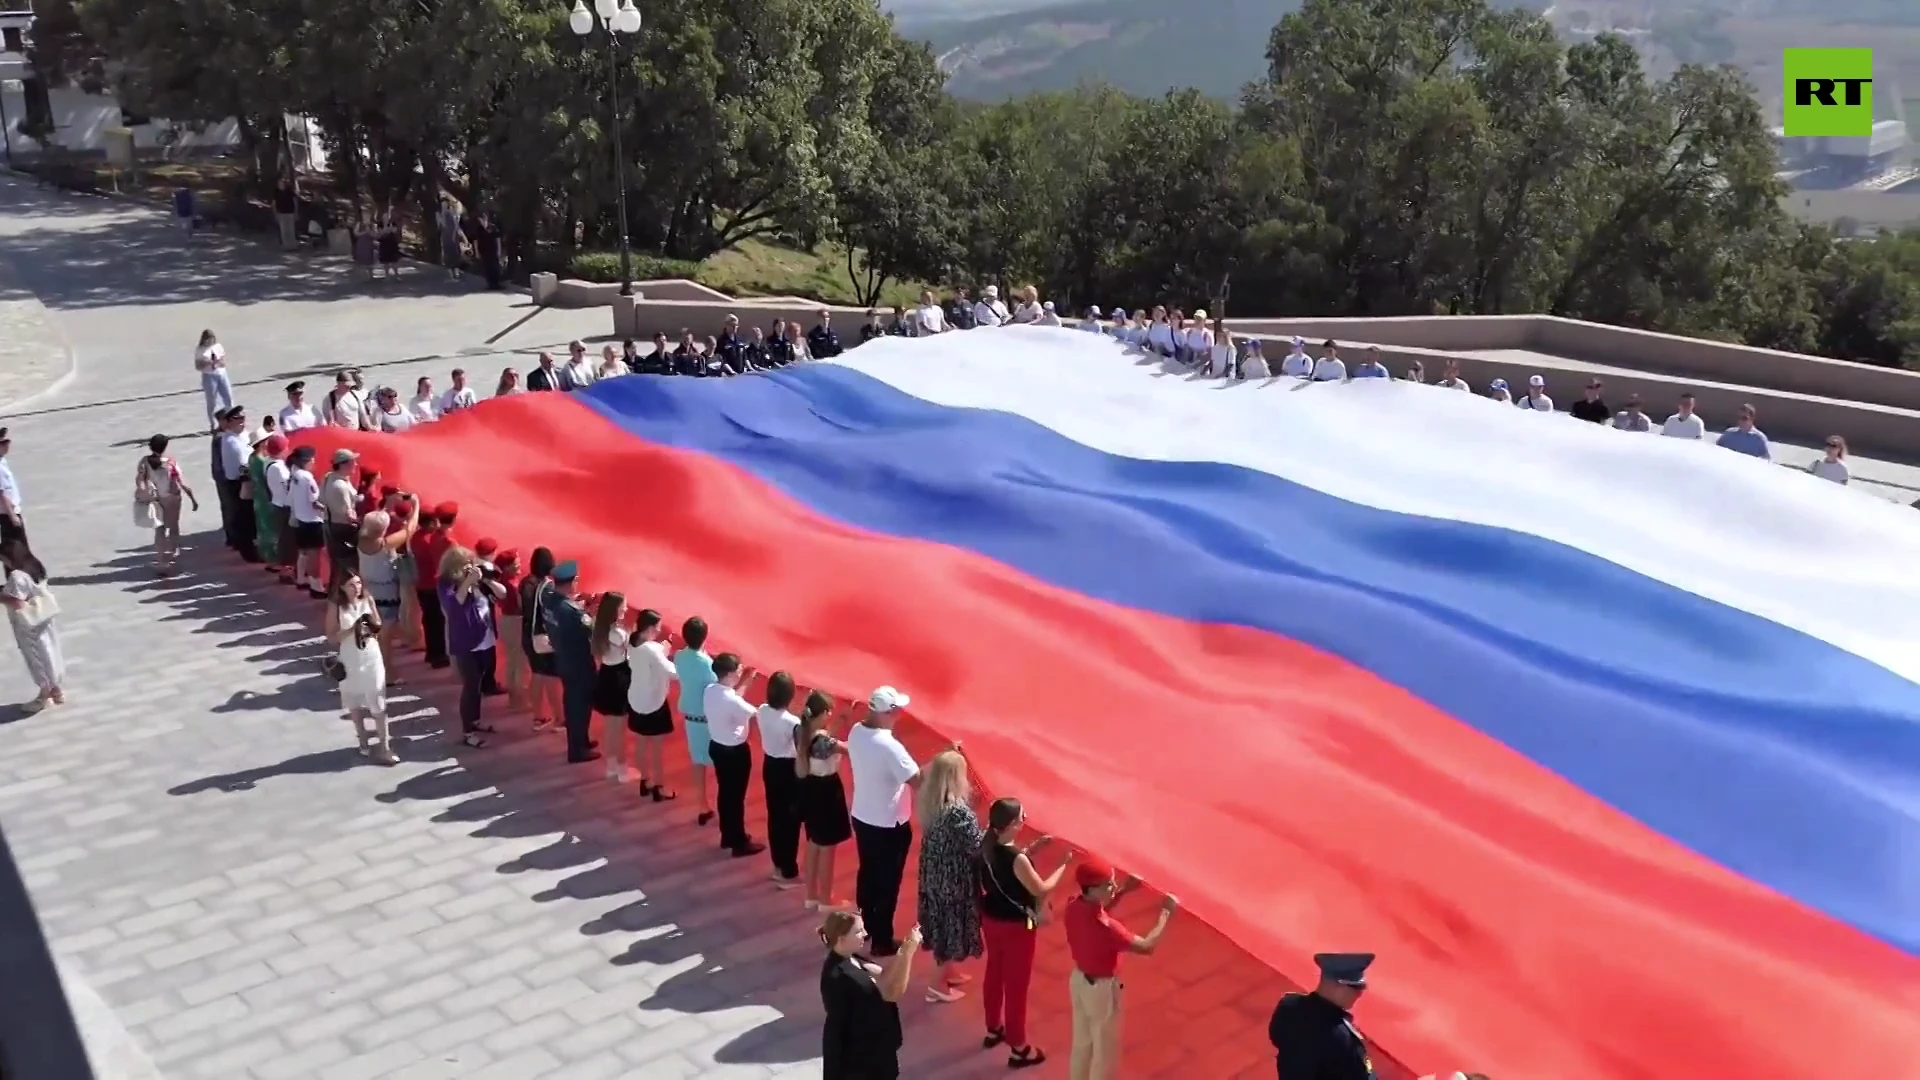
(39, 1039)
(712, 933)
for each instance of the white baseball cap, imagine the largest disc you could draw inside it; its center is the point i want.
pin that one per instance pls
(887, 699)
(991, 290)
(1537, 380)
(1094, 312)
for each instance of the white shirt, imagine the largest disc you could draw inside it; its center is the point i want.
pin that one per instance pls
(580, 375)
(1091, 324)
(881, 770)
(350, 410)
(1200, 340)
(9, 487)
(652, 677)
(277, 476)
(777, 729)
(1297, 364)
(300, 417)
(455, 400)
(989, 313)
(303, 497)
(1160, 335)
(1835, 471)
(1048, 317)
(210, 358)
(1455, 384)
(1689, 426)
(728, 715)
(1027, 313)
(1329, 369)
(1254, 366)
(423, 409)
(1540, 403)
(616, 651)
(928, 319)
(392, 422)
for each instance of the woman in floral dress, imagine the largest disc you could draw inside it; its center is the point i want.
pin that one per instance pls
(949, 880)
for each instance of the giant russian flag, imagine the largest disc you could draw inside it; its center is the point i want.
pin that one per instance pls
(1608, 745)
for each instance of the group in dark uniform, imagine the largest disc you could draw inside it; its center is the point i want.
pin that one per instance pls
(1313, 1034)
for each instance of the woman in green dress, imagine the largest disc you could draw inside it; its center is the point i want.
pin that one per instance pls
(267, 525)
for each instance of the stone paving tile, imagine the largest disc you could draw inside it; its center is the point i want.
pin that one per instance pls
(251, 899)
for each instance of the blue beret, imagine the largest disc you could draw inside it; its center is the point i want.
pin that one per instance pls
(566, 571)
(1345, 968)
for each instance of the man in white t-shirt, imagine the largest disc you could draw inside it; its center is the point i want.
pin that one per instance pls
(298, 414)
(884, 775)
(1452, 380)
(928, 319)
(459, 395)
(1536, 398)
(1329, 368)
(1091, 321)
(1684, 424)
(1297, 363)
(990, 311)
(347, 403)
(779, 777)
(728, 719)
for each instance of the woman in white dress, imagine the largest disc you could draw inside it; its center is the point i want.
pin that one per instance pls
(34, 614)
(354, 624)
(1199, 341)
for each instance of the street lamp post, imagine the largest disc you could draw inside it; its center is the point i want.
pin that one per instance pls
(617, 17)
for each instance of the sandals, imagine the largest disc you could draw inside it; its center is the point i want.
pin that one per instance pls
(474, 740)
(937, 996)
(1026, 1058)
(660, 794)
(995, 1036)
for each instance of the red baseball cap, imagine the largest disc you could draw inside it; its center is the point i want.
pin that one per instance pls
(509, 557)
(446, 510)
(1092, 874)
(485, 546)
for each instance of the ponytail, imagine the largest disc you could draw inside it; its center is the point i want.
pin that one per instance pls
(812, 718)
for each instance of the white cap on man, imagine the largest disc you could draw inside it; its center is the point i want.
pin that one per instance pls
(886, 699)
(990, 291)
(1537, 380)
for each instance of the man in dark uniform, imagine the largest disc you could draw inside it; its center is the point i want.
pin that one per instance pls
(1313, 1034)
(823, 342)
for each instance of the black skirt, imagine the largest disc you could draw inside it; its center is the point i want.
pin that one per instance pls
(823, 810)
(610, 689)
(657, 722)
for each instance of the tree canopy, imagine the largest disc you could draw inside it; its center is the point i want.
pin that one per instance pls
(1399, 157)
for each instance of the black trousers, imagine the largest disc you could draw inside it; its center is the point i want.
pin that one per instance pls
(473, 668)
(576, 707)
(236, 520)
(876, 886)
(9, 531)
(782, 787)
(732, 772)
(433, 625)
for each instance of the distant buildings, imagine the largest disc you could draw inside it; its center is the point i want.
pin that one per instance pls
(1860, 184)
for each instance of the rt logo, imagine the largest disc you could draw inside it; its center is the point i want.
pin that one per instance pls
(1828, 91)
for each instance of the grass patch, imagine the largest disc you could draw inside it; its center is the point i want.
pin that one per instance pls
(758, 268)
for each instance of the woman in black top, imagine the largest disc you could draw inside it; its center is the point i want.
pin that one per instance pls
(545, 668)
(1013, 904)
(862, 1036)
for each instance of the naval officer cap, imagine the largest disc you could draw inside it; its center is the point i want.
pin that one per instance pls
(566, 571)
(1345, 968)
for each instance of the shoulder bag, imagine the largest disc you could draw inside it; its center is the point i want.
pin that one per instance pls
(542, 644)
(1037, 914)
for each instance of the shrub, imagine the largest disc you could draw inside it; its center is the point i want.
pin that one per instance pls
(605, 266)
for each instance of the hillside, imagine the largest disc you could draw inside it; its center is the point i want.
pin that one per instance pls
(1140, 46)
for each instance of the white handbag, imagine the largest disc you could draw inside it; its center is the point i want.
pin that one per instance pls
(41, 606)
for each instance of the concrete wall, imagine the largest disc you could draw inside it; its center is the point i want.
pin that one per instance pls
(81, 120)
(1801, 398)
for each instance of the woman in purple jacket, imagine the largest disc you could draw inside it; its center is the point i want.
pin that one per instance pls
(467, 597)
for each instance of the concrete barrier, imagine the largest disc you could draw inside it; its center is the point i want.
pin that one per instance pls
(543, 287)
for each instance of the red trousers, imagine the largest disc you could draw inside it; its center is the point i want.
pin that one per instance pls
(1009, 974)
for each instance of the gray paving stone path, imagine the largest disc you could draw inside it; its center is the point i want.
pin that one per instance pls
(230, 890)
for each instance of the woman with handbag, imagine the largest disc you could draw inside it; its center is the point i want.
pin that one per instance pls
(157, 490)
(1013, 906)
(32, 610)
(353, 622)
(537, 643)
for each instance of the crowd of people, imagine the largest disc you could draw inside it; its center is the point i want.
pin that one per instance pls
(619, 682)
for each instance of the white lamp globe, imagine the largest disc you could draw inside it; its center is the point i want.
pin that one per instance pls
(580, 19)
(627, 21)
(605, 8)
